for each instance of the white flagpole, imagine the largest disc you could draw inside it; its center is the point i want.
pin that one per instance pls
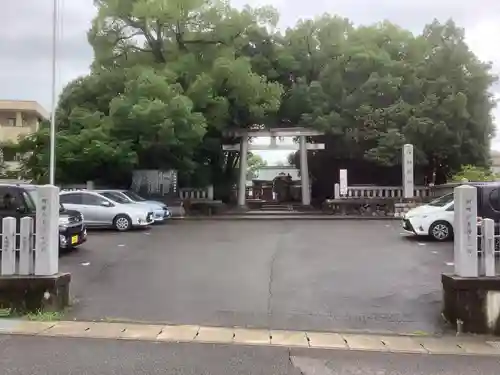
(52, 165)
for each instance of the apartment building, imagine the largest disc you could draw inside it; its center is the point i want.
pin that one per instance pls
(18, 118)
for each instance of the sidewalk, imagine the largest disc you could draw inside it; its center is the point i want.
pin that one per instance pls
(462, 345)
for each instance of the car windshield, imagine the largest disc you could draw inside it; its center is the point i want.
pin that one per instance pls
(116, 197)
(134, 196)
(32, 198)
(442, 201)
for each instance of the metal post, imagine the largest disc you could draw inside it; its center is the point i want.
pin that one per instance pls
(243, 171)
(304, 172)
(54, 98)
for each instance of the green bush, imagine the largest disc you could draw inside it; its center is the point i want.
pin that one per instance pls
(472, 173)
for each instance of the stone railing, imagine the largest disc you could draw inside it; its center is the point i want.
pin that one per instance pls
(381, 192)
(206, 193)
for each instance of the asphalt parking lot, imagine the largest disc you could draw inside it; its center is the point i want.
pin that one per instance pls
(307, 275)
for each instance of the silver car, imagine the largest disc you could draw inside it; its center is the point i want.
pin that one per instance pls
(160, 210)
(100, 211)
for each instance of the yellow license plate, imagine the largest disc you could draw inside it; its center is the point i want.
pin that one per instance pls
(74, 239)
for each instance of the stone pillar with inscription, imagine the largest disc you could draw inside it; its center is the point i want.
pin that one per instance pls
(465, 231)
(343, 182)
(408, 174)
(47, 231)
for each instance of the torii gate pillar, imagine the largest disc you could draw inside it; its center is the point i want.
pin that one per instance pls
(304, 172)
(243, 171)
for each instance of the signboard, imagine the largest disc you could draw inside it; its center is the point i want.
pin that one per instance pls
(408, 183)
(343, 182)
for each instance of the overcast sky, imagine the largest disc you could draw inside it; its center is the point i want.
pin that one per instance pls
(25, 39)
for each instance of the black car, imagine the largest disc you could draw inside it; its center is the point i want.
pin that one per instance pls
(19, 200)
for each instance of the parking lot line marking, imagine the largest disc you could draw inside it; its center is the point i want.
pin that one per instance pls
(450, 263)
(248, 336)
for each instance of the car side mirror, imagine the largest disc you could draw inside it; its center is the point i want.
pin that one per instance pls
(106, 204)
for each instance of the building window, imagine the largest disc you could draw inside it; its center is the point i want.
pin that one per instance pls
(9, 154)
(11, 122)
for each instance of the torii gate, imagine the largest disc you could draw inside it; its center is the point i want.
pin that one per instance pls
(303, 146)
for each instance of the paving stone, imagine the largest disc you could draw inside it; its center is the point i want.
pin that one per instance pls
(364, 342)
(105, 330)
(402, 344)
(478, 347)
(289, 338)
(179, 333)
(326, 340)
(215, 335)
(141, 332)
(71, 329)
(495, 344)
(252, 336)
(440, 345)
(29, 327)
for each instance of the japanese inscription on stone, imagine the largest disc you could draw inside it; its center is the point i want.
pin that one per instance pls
(407, 171)
(44, 222)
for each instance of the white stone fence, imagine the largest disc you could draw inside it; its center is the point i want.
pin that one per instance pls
(474, 255)
(30, 246)
(206, 193)
(380, 192)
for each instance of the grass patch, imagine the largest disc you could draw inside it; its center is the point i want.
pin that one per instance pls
(45, 316)
(420, 333)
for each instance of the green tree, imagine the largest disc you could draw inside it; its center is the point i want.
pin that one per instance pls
(167, 82)
(473, 174)
(171, 79)
(377, 87)
(255, 162)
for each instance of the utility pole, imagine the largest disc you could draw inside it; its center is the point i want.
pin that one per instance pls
(52, 165)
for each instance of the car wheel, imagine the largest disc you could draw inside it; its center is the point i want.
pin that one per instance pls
(441, 231)
(122, 223)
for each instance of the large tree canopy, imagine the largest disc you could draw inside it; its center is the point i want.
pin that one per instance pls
(169, 78)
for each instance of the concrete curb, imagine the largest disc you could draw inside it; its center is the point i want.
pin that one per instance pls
(451, 345)
(284, 217)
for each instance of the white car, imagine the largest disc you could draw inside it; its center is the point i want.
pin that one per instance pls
(101, 211)
(160, 210)
(433, 219)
